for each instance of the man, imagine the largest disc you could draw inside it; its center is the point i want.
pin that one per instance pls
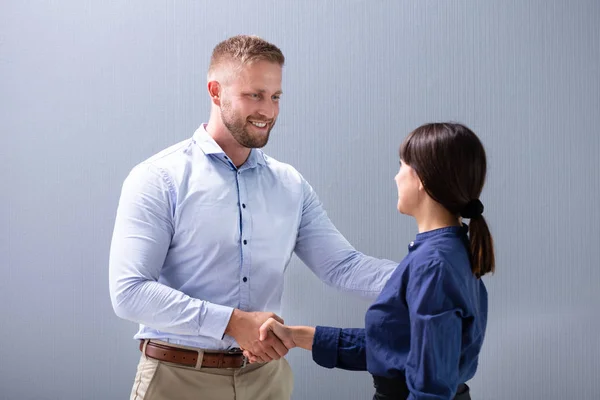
(204, 232)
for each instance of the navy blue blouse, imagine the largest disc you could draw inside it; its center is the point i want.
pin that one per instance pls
(427, 325)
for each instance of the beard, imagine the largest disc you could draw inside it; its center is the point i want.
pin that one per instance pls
(239, 128)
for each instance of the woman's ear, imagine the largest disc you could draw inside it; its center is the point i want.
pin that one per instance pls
(421, 186)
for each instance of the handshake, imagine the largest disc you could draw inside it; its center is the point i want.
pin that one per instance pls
(264, 337)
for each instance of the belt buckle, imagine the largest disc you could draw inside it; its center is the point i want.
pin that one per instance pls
(236, 351)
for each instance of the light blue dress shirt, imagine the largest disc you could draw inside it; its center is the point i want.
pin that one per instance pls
(195, 237)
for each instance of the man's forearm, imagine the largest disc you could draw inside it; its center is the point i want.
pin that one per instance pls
(160, 307)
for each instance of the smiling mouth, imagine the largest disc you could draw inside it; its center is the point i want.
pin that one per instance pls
(259, 124)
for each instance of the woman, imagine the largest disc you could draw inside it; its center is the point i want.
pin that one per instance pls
(424, 332)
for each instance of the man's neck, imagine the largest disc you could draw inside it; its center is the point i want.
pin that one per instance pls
(237, 153)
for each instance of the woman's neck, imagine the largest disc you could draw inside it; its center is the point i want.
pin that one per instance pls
(434, 216)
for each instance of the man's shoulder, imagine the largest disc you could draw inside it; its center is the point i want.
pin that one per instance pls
(170, 156)
(164, 165)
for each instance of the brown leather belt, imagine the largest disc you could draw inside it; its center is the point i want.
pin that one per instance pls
(227, 359)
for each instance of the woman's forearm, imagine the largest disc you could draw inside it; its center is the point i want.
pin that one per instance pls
(303, 336)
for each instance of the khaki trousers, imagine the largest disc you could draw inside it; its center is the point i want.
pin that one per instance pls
(159, 380)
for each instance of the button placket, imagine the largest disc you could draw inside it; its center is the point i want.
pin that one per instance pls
(245, 233)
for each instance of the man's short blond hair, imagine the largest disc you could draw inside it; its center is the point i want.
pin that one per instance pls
(243, 50)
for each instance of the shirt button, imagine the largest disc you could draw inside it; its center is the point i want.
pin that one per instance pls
(245, 279)
(225, 157)
(245, 242)
(243, 206)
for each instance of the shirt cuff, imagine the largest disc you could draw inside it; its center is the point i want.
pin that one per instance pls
(325, 346)
(215, 320)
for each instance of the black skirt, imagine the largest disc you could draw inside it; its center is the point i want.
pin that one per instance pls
(396, 389)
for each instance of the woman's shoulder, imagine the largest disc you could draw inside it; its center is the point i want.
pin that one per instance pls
(442, 259)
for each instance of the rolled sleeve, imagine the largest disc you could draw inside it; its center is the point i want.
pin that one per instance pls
(340, 348)
(325, 346)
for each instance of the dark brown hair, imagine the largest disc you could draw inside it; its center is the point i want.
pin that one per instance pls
(451, 163)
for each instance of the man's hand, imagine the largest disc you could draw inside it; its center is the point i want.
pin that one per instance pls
(244, 328)
(269, 328)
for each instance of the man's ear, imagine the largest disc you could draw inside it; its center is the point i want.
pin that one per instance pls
(214, 91)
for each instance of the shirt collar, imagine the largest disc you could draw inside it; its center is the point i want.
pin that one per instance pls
(208, 145)
(458, 231)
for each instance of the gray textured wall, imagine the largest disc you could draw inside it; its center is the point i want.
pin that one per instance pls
(89, 88)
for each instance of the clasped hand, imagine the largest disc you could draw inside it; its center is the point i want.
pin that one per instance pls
(272, 331)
